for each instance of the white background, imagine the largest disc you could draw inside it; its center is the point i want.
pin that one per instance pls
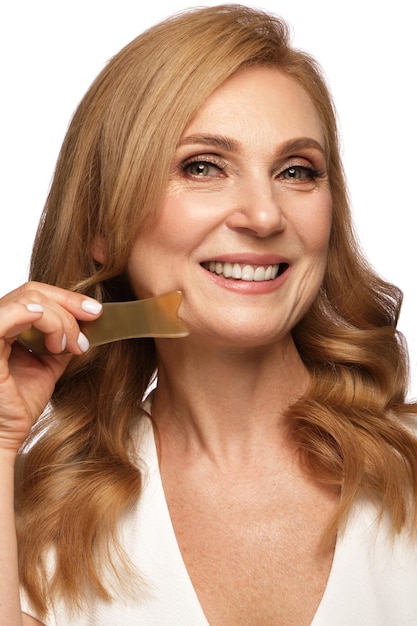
(51, 50)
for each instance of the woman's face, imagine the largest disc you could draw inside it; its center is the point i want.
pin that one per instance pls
(244, 225)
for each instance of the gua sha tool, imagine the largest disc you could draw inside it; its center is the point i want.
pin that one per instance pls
(152, 317)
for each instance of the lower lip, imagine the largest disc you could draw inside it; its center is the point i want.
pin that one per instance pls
(248, 287)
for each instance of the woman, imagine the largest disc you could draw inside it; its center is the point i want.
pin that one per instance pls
(270, 476)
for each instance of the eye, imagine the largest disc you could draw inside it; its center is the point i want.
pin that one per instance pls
(202, 168)
(299, 173)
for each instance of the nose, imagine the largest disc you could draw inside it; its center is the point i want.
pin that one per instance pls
(257, 209)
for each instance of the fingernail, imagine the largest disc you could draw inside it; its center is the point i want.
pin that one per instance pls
(64, 343)
(34, 308)
(83, 342)
(91, 306)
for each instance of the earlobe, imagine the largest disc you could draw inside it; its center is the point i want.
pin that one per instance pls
(99, 251)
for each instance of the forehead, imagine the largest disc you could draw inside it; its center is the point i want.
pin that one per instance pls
(259, 100)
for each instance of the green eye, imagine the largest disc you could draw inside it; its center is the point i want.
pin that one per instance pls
(298, 172)
(202, 168)
(199, 169)
(293, 172)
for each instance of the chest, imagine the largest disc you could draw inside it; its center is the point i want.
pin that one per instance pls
(252, 550)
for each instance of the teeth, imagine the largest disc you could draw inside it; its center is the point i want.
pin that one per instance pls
(243, 272)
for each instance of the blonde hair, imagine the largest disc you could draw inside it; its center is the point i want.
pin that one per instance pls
(78, 475)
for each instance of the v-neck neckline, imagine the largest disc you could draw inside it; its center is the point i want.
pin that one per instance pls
(179, 565)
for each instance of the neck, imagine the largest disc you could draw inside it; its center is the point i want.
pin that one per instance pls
(221, 399)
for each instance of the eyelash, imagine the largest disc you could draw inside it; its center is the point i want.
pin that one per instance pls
(311, 172)
(203, 160)
(214, 161)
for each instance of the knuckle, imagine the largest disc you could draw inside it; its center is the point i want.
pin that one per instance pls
(29, 286)
(30, 290)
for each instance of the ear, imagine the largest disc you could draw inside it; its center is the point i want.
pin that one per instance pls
(99, 250)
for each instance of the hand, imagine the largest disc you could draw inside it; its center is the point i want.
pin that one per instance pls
(27, 381)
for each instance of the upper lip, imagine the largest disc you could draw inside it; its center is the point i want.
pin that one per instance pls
(247, 258)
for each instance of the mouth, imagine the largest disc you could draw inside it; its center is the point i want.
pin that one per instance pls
(246, 272)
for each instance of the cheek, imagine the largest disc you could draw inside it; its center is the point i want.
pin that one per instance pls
(316, 225)
(184, 221)
(159, 251)
(159, 237)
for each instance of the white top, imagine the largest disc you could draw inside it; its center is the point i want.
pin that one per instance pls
(372, 582)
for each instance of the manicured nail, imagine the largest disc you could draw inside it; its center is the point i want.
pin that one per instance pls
(64, 342)
(83, 342)
(34, 308)
(91, 306)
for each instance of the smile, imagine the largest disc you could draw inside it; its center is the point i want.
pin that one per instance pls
(250, 273)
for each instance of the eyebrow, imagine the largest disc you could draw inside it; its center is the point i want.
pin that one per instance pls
(231, 145)
(293, 145)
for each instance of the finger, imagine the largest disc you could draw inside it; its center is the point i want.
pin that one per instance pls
(80, 306)
(18, 317)
(61, 331)
(15, 317)
(51, 310)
